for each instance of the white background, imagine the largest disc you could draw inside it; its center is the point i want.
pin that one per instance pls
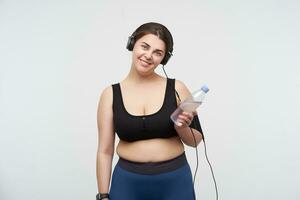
(56, 57)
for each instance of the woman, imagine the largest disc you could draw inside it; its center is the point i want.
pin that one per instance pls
(152, 163)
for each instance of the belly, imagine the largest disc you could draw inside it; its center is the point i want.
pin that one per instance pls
(152, 150)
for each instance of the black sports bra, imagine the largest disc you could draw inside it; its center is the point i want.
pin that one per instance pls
(141, 127)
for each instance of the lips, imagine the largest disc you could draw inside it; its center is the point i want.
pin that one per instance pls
(144, 63)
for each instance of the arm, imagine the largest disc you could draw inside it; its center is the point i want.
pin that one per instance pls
(106, 140)
(184, 131)
(187, 137)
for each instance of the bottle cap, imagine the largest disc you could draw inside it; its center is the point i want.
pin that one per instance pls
(204, 88)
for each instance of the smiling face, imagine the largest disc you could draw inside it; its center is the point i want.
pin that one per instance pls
(147, 53)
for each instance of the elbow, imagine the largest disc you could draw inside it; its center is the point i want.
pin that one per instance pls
(106, 151)
(195, 143)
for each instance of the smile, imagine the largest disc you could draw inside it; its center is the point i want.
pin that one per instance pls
(144, 62)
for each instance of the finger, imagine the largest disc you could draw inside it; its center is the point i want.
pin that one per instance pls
(179, 122)
(189, 115)
(183, 117)
(185, 120)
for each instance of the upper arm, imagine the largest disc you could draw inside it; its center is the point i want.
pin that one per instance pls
(182, 90)
(106, 134)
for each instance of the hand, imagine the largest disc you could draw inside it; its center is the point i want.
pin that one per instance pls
(184, 119)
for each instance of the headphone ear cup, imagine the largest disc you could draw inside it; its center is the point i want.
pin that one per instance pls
(166, 58)
(130, 43)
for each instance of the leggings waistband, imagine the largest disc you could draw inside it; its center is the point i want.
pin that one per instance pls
(150, 168)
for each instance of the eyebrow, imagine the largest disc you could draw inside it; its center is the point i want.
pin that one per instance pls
(155, 49)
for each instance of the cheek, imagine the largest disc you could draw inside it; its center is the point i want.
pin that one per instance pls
(136, 54)
(158, 59)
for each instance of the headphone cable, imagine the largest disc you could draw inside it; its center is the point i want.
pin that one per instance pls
(205, 151)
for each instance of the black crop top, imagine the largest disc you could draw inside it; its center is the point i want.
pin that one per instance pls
(141, 127)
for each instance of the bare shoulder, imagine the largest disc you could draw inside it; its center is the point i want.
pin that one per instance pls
(182, 90)
(106, 94)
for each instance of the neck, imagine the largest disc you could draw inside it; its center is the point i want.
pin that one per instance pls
(134, 77)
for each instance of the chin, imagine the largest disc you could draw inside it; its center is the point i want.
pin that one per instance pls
(144, 71)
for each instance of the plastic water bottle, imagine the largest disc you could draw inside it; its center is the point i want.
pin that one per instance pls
(190, 104)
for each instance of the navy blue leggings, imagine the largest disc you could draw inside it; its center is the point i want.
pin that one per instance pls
(166, 180)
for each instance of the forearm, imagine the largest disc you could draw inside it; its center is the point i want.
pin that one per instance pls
(186, 136)
(103, 169)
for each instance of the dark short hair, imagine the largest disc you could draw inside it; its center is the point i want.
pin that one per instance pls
(157, 29)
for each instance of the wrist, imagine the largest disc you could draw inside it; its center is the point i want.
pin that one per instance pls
(102, 196)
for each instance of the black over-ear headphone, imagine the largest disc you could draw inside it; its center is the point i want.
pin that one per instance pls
(130, 44)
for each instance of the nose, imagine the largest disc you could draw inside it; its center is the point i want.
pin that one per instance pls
(148, 55)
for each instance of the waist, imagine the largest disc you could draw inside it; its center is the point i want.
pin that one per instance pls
(151, 168)
(153, 150)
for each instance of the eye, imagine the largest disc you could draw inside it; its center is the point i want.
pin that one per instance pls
(144, 46)
(158, 54)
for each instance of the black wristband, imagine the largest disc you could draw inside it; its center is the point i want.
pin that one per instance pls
(100, 196)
